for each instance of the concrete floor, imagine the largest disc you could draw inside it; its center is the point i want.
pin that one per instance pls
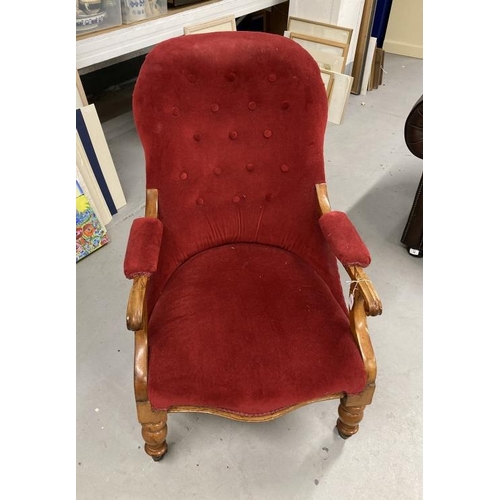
(373, 177)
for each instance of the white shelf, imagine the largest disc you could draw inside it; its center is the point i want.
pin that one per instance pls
(128, 39)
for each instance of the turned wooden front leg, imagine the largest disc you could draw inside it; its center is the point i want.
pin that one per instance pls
(154, 430)
(349, 419)
(155, 439)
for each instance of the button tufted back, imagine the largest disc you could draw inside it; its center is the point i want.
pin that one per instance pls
(232, 126)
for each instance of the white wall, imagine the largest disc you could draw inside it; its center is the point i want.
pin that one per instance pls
(404, 35)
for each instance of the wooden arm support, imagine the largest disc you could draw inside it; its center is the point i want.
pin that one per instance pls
(372, 302)
(136, 304)
(366, 301)
(136, 301)
(137, 321)
(359, 329)
(137, 315)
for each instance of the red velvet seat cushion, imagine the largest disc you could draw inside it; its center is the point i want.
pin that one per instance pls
(249, 328)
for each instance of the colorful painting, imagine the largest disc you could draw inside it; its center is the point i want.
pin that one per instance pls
(90, 233)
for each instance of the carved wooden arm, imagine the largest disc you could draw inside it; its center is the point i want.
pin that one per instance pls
(372, 302)
(136, 301)
(137, 316)
(365, 301)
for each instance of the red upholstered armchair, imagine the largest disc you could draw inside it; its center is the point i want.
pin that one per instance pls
(237, 304)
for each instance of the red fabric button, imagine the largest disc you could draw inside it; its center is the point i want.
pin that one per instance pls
(233, 134)
(215, 108)
(272, 77)
(183, 176)
(217, 170)
(252, 105)
(267, 134)
(250, 167)
(236, 199)
(285, 167)
(175, 111)
(200, 202)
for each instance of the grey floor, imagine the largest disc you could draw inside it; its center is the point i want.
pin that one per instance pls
(373, 177)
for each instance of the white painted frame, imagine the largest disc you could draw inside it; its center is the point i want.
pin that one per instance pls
(227, 23)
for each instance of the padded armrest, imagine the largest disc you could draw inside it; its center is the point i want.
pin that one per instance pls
(143, 248)
(344, 240)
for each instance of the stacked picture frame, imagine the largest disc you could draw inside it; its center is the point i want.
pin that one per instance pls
(226, 23)
(329, 45)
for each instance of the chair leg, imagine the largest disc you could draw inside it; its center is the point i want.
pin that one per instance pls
(154, 436)
(154, 430)
(349, 419)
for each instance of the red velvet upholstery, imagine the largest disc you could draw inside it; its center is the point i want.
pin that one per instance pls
(246, 307)
(344, 240)
(192, 93)
(143, 248)
(249, 328)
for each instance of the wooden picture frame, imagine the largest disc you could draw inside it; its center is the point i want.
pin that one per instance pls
(327, 53)
(328, 78)
(320, 30)
(227, 23)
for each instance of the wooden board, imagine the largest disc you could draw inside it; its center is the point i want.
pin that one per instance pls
(339, 97)
(362, 45)
(370, 52)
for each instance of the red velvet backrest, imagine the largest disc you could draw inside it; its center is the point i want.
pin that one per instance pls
(232, 126)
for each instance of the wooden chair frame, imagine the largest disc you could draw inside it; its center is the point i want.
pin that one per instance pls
(365, 302)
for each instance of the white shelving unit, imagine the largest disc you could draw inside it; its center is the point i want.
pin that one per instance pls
(92, 50)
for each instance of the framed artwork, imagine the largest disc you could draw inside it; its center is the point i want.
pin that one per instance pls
(329, 55)
(227, 23)
(90, 233)
(320, 30)
(321, 44)
(328, 78)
